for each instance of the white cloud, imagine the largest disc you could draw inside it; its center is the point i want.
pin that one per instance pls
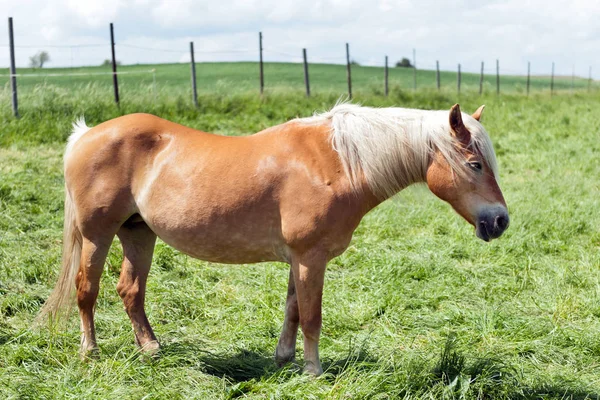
(465, 31)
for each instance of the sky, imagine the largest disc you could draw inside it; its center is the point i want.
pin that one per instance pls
(76, 32)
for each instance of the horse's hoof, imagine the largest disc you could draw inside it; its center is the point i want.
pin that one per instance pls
(89, 353)
(311, 368)
(282, 358)
(282, 362)
(151, 348)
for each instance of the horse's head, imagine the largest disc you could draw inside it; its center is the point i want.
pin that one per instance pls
(467, 178)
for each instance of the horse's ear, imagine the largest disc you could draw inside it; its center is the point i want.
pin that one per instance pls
(457, 127)
(477, 114)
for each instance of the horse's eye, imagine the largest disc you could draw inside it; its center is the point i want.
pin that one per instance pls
(476, 165)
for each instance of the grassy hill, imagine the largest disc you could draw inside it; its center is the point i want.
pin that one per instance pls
(243, 76)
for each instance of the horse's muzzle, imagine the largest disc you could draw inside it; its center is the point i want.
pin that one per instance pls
(491, 224)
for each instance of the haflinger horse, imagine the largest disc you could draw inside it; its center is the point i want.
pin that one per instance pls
(292, 193)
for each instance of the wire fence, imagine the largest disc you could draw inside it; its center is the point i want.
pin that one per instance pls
(267, 66)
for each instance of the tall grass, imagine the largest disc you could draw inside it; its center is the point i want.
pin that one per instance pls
(417, 307)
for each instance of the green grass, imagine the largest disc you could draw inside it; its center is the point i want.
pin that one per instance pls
(417, 307)
(243, 76)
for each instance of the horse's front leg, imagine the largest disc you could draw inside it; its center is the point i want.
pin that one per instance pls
(308, 269)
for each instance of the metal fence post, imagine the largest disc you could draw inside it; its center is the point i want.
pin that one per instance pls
(114, 63)
(437, 74)
(528, 76)
(262, 76)
(552, 80)
(386, 76)
(306, 80)
(458, 79)
(497, 77)
(193, 68)
(13, 69)
(481, 80)
(348, 71)
(414, 69)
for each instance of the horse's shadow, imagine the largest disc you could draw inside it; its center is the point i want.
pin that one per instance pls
(243, 366)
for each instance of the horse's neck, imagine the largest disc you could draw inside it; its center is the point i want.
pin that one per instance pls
(411, 170)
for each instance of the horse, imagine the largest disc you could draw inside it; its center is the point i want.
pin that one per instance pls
(292, 193)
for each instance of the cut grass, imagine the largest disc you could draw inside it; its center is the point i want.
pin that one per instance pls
(417, 307)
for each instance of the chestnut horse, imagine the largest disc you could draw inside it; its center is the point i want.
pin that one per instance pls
(293, 193)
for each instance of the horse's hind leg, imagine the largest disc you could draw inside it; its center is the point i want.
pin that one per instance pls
(138, 245)
(286, 347)
(87, 281)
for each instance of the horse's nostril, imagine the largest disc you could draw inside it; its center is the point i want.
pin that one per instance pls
(501, 222)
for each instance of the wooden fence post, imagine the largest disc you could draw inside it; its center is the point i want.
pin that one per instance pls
(13, 69)
(348, 72)
(481, 80)
(114, 63)
(437, 74)
(306, 81)
(386, 74)
(260, 50)
(193, 67)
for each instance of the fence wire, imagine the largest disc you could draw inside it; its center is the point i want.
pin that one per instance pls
(428, 74)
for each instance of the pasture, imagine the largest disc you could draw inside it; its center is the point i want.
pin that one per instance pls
(417, 307)
(243, 77)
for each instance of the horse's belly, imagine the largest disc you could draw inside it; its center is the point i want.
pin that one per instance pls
(223, 240)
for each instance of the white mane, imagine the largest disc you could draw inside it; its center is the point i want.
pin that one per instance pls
(392, 147)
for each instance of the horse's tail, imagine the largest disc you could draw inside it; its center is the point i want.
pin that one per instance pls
(60, 302)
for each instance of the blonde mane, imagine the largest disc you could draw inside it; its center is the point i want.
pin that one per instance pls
(392, 147)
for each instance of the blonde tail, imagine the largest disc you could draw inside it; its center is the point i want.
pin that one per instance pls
(60, 302)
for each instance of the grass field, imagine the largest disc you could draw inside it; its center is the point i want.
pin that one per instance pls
(243, 77)
(416, 308)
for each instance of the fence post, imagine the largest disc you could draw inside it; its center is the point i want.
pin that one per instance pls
(193, 68)
(386, 74)
(437, 75)
(481, 80)
(260, 50)
(114, 63)
(497, 77)
(458, 79)
(590, 79)
(572, 78)
(13, 69)
(552, 81)
(306, 81)
(349, 74)
(528, 76)
(414, 70)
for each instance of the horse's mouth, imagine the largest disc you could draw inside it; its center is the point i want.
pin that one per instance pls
(488, 228)
(482, 232)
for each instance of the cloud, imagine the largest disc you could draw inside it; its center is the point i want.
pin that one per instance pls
(465, 31)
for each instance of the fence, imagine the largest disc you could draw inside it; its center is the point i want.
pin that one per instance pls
(426, 76)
